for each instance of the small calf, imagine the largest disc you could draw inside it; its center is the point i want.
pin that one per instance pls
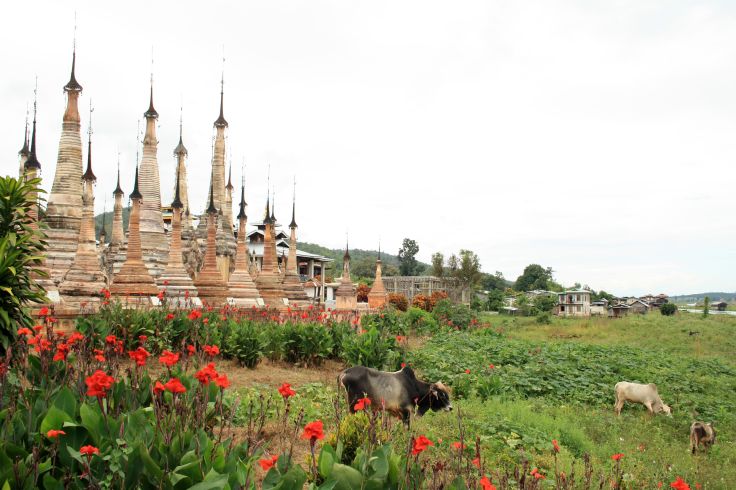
(701, 433)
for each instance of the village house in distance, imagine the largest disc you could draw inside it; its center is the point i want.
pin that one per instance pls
(168, 252)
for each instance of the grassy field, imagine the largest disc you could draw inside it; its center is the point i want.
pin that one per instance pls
(556, 382)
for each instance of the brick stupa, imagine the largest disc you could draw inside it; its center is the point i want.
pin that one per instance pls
(210, 282)
(377, 297)
(85, 279)
(346, 297)
(133, 279)
(241, 288)
(268, 280)
(175, 280)
(64, 210)
(292, 284)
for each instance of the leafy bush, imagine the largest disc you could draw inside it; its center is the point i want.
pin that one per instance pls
(308, 343)
(422, 301)
(246, 343)
(372, 349)
(362, 292)
(21, 250)
(398, 301)
(544, 318)
(355, 431)
(388, 321)
(668, 309)
(456, 316)
(421, 321)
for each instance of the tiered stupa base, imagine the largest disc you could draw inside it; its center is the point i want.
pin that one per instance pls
(242, 290)
(133, 284)
(60, 252)
(82, 286)
(211, 287)
(269, 287)
(294, 290)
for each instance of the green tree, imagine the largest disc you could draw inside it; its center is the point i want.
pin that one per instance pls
(668, 309)
(363, 267)
(534, 277)
(600, 295)
(468, 271)
(453, 264)
(438, 264)
(21, 251)
(408, 265)
(495, 300)
(706, 306)
(491, 282)
(544, 303)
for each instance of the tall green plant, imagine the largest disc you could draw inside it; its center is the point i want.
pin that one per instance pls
(21, 254)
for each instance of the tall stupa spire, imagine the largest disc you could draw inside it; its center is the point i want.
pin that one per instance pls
(181, 153)
(88, 174)
(220, 121)
(72, 85)
(293, 207)
(32, 161)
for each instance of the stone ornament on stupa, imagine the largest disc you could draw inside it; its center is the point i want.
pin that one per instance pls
(133, 283)
(378, 296)
(84, 280)
(241, 288)
(292, 284)
(268, 280)
(210, 282)
(346, 297)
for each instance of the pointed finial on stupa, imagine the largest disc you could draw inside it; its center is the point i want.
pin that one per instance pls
(293, 207)
(88, 174)
(267, 217)
(25, 151)
(243, 204)
(151, 112)
(118, 190)
(229, 185)
(347, 254)
(176, 203)
(136, 194)
(211, 209)
(73, 85)
(32, 161)
(180, 148)
(221, 122)
(273, 207)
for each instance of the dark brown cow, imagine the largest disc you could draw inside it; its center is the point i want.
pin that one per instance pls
(399, 392)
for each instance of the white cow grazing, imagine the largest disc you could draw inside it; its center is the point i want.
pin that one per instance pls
(638, 393)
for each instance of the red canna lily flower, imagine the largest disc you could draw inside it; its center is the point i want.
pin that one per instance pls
(166, 283)
(680, 484)
(486, 484)
(168, 358)
(62, 350)
(191, 349)
(25, 331)
(555, 446)
(111, 339)
(53, 434)
(139, 356)
(206, 321)
(362, 404)
(467, 371)
(403, 365)
(420, 445)
(160, 295)
(43, 311)
(617, 456)
(476, 462)
(174, 386)
(37, 328)
(267, 463)
(313, 431)
(458, 445)
(195, 314)
(211, 350)
(222, 381)
(75, 337)
(89, 451)
(286, 391)
(400, 338)
(206, 374)
(537, 475)
(158, 388)
(170, 316)
(491, 366)
(98, 384)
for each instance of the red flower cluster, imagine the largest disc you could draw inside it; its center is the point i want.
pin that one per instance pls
(191, 350)
(168, 358)
(62, 350)
(555, 446)
(206, 374)
(211, 350)
(459, 445)
(286, 391)
(174, 386)
(362, 404)
(313, 431)
(43, 311)
(105, 292)
(486, 484)
(222, 381)
(476, 462)
(111, 339)
(267, 463)
(617, 456)
(89, 451)
(99, 355)
(53, 434)
(98, 384)
(537, 475)
(680, 484)
(195, 314)
(170, 316)
(25, 331)
(139, 356)
(420, 445)
(467, 371)
(158, 388)
(74, 338)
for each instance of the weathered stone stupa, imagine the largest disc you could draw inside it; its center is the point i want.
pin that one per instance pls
(241, 288)
(114, 254)
(225, 239)
(24, 152)
(64, 210)
(268, 280)
(377, 297)
(154, 242)
(181, 153)
(210, 282)
(175, 281)
(133, 279)
(346, 295)
(85, 279)
(292, 284)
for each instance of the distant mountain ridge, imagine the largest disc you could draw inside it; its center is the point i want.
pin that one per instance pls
(693, 298)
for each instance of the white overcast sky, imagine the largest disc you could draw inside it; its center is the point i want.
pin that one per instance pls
(595, 137)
